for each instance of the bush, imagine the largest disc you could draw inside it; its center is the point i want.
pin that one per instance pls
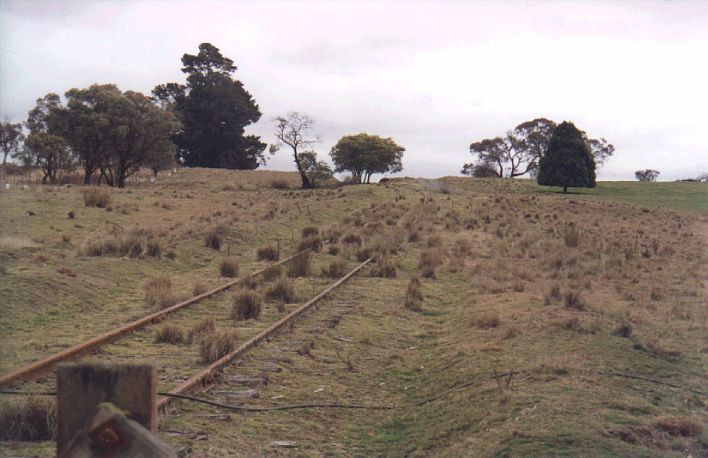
(198, 289)
(299, 266)
(247, 306)
(336, 269)
(572, 300)
(385, 268)
(571, 236)
(214, 238)
(28, 419)
(216, 345)
(279, 184)
(158, 293)
(272, 273)
(169, 333)
(268, 253)
(684, 427)
(310, 231)
(487, 320)
(313, 243)
(228, 268)
(282, 290)
(95, 197)
(203, 327)
(413, 294)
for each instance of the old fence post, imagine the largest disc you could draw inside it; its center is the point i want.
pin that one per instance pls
(82, 387)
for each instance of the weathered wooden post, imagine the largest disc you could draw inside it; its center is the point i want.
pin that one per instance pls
(102, 405)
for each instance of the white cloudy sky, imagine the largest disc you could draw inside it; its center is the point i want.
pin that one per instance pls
(435, 76)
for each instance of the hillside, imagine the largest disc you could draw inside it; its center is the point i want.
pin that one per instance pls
(549, 325)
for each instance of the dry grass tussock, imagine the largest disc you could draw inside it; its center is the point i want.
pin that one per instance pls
(214, 238)
(414, 294)
(169, 333)
(201, 328)
(29, 418)
(430, 259)
(268, 253)
(135, 243)
(247, 306)
(281, 290)
(312, 242)
(299, 266)
(229, 268)
(385, 268)
(159, 294)
(96, 197)
(216, 345)
(335, 269)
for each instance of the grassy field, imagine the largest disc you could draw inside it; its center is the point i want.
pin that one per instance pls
(549, 324)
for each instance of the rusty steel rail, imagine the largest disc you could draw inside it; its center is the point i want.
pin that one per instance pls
(44, 365)
(206, 375)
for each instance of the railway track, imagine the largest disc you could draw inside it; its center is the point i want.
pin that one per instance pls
(179, 367)
(44, 365)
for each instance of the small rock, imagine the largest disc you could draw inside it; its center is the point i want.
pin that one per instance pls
(285, 444)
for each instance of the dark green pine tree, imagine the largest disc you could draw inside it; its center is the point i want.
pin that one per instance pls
(214, 109)
(567, 161)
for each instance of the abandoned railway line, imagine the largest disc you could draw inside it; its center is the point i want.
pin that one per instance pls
(128, 342)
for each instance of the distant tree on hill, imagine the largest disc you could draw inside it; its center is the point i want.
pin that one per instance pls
(296, 130)
(480, 169)
(317, 171)
(519, 151)
(214, 110)
(363, 155)
(646, 175)
(11, 137)
(567, 161)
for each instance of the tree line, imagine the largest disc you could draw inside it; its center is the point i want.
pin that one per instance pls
(112, 134)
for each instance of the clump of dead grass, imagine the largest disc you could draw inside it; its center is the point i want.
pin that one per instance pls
(95, 197)
(430, 260)
(313, 243)
(169, 333)
(228, 268)
(281, 290)
(299, 266)
(680, 427)
(216, 345)
(335, 269)
(487, 320)
(203, 327)
(268, 253)
(414, 294)
(247, 306)
(573, 300)
(31, 418)
(385, 268)
(159, 294)
(214, 238)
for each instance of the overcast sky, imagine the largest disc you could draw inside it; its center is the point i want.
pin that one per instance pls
(435, 76)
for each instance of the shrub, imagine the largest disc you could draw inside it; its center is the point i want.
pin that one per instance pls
(216, 345)
(352, 239)
(430, 259)
(313, 243)
(336, 269)
(310, 231)
(249, 282)
(487, 320)
(572, 236)
(434, 240)
(158, 293)
(169, 333)
(572, 300)
(414, 295)
(684, 427)
(282, 290)
(198, 289)
(279, 184)
(214, 239)
(299, 266)
(204, 326)
(95, 197)
(228, 268)
(272, 273)
(28, 419)
(268, 253)
(247, 306)
(385, 268)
